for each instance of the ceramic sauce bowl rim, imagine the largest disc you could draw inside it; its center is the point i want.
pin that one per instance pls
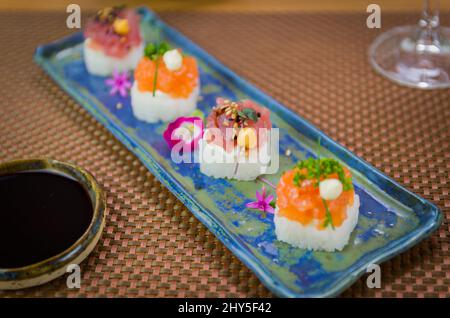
(96, 225)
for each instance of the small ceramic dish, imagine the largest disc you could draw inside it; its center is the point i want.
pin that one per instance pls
(55, 266)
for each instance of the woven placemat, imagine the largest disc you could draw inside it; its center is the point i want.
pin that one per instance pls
(315, 64)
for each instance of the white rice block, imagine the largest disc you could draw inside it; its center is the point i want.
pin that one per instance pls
(162, 106)
(308, 237)
(218, 163)
(98, 63)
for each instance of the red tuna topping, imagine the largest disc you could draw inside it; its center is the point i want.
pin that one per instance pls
(237, 116)
(106, 37)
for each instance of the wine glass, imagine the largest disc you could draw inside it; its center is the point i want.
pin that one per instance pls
(416, 56)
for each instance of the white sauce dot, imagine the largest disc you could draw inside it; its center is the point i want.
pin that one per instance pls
(330, 189)
(173, 60)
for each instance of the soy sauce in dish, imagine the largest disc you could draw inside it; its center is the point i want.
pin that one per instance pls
(41, 215)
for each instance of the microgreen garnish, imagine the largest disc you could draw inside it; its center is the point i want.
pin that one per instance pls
(318, 169)
(328, 218)
(235, 117)
(248, 113)
(154, 52)
(108, 14)
(298, 179)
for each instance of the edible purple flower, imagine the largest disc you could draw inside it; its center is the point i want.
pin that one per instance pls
(263, 202)
(119, 83)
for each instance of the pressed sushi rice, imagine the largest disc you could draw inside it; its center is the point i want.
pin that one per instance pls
(162, 106)
(308, 237)
(236, 164)
(98, 63)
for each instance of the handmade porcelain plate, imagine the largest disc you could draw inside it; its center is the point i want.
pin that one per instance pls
(391, 220)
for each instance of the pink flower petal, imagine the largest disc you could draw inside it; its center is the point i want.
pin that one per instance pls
(268, 199)
(259, 197)
(113, 90)
(263, 192)
(168, 133)
(252, 205)
(123, 92)
(269, 209)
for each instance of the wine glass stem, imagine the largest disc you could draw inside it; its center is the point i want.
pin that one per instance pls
(428, 33)
(430, 14)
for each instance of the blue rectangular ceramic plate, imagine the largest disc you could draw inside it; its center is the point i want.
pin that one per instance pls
(391, 220)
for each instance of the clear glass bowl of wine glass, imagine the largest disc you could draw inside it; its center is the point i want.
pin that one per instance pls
(415, 56)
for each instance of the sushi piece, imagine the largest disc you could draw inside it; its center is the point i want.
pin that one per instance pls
(166, 85)
(236, 143)
(113, 41)
(316, 206)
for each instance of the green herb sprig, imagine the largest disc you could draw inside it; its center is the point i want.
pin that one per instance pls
(321, 168)
(318, 168)
(328, 218)
(154, 51)
(248, 113)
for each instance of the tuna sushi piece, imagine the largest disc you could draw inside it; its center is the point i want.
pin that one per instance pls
(316, 207)
(113, 41)
(166, 85)
(235, 144)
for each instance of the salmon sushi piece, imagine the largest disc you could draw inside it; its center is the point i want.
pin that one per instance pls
(316, 206)
(113, 41)
(235, 144)
(174, 92)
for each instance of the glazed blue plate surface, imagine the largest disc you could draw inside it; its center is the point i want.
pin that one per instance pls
(392, 219)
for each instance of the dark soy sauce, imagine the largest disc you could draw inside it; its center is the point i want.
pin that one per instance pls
(41, 215)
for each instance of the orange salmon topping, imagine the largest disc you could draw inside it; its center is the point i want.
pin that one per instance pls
(304, 204)
(178, 84)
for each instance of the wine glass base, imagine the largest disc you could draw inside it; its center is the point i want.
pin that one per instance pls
(396, 55)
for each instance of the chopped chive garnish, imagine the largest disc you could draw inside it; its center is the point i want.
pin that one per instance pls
(154, 52)
(318, 169)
